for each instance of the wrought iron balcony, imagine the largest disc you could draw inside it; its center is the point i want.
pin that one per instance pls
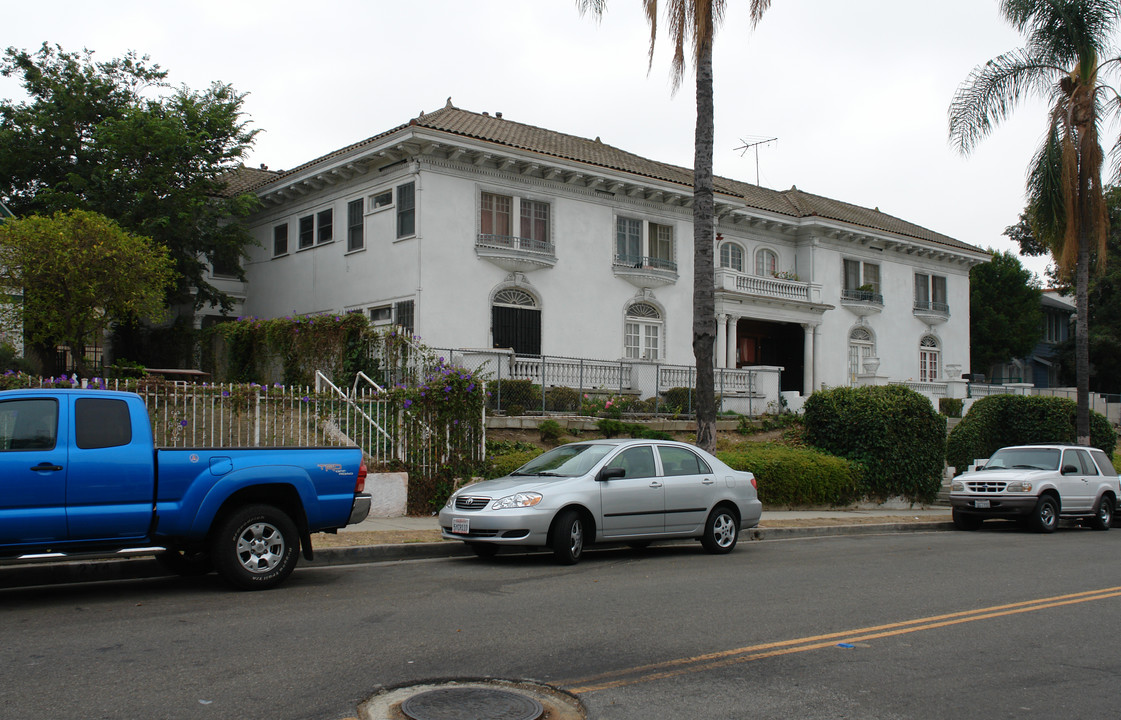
(515, 254)
(644, 271)
(862, 302)
(931, 313)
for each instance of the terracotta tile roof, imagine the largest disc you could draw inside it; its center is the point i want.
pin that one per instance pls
(243, 179)
(500, 131)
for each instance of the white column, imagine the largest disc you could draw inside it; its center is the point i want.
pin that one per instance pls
(733, 340)
(809, 355)
(721, 340)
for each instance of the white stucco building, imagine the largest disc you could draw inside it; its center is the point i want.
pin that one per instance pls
(476, 231)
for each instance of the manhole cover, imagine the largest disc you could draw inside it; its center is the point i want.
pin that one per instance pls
(471, 703)
(473, 699)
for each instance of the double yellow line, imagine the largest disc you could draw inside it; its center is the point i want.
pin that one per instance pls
(724, 658)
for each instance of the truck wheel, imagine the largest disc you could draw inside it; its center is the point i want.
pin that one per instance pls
(256, 547)
(966, 522)
(1103, 518)
(185, 563)
(1045, 517)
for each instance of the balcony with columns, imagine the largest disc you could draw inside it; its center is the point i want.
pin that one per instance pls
(768, 289)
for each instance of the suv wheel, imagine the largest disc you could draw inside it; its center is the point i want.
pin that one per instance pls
(1045, 517)
(1103, 517)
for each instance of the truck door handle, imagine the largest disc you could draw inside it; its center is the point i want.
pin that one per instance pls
(46, 467)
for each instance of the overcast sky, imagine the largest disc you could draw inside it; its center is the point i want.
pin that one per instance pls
(856, 93)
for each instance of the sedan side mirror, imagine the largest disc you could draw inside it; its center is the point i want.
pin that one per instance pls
(609, 473)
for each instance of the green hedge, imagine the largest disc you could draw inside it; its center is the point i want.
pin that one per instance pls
(499, 465)
(891, 430)
(1000, 420)
(796, 476)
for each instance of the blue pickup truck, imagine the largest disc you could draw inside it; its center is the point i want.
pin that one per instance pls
(80, 477)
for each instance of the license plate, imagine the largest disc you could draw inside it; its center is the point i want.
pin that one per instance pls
(461, 526)
(981, 504)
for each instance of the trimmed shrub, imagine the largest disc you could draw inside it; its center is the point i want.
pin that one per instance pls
(796, 476)
(551, 431)
(500, 465)
(678, 400)
(1000, 420)
(513, 395)
(562, 399)
(891, 430)
(950, 407)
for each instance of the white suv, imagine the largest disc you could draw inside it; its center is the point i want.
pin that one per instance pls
(1038, 484)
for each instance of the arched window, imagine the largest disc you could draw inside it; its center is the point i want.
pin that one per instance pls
(731, 256)
(642, 332)
(516, 321)
(766, 262)
(929, 359)
(861, 345)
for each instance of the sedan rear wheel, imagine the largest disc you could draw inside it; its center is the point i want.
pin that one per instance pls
(568, 538)
(722, 530)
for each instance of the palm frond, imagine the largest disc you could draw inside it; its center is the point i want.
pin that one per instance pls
(758, 7)
(991, 93)
(1046, 206)
(1064, 32)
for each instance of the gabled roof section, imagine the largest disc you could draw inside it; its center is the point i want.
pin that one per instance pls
(243, 179)
(793, 203)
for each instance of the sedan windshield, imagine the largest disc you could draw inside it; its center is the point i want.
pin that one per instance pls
(565, 461)
(1024, 458)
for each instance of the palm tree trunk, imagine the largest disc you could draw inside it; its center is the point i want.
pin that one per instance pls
(1082, 303)
(704, 304)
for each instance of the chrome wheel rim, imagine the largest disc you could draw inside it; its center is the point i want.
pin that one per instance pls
(1047, 515)
(260, 548)
(724, 530)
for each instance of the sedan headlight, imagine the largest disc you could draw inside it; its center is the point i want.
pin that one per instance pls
(519, 500)
(957, 486)
(1019, 486)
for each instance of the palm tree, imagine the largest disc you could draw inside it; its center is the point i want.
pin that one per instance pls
(1062, 61)
(694, 23)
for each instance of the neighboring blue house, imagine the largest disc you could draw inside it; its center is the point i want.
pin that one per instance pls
(1043, 363)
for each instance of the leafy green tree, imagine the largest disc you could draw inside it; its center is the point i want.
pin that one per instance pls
(1005, 313)
(693, 24)
(79, 272)
(1065, 58)
(114, 138)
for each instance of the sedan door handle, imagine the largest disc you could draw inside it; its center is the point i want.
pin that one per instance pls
(655, 484)
(46, 467)
(707, 481)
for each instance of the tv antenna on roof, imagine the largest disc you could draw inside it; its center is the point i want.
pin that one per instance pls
(753, 142)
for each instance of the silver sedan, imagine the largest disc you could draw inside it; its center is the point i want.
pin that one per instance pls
(625, 491)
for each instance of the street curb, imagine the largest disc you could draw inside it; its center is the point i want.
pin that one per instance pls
(22, 576)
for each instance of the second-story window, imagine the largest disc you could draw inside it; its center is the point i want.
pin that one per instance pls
(280, 240)
(930, 292)
(535, 220)
(628, 240)
(862, 280)
(495, 214)
(355, 226)
(731, 256)
(406, 210)
(325, 225)
(766, 262)
(639, 243)
(307, 231)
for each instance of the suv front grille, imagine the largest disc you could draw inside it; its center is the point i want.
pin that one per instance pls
(467, 502)
(986, 487)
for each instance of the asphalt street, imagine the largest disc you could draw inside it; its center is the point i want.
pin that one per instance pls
(997, 623)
